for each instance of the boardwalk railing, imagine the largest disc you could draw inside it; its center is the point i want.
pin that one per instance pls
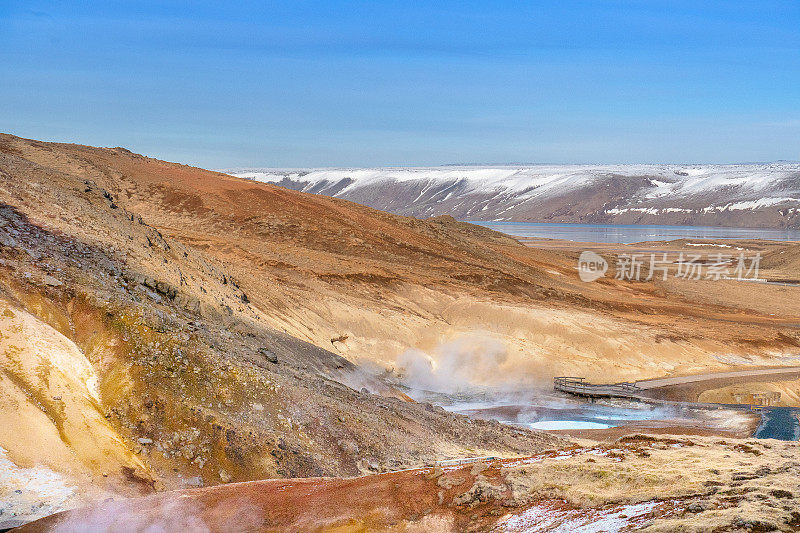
(580, 387)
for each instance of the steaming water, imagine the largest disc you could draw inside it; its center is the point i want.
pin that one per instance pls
(545, 409)
(626, 234)
(567, 424)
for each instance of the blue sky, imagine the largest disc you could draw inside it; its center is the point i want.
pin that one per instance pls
(234, 84)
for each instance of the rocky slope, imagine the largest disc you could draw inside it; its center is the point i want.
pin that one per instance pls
(131, 362)
(755, 195)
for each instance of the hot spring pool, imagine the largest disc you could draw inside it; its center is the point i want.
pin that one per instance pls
(567, 424)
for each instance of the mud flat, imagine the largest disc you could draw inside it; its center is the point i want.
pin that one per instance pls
(744, 427)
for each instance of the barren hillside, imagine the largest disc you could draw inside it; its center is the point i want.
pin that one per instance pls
(370, 285)
(142, 363)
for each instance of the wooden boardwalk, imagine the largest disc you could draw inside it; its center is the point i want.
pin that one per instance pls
(580, 387)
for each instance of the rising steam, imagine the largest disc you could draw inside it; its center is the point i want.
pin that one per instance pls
(468, 361)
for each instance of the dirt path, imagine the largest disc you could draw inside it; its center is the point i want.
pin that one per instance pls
(740, 375)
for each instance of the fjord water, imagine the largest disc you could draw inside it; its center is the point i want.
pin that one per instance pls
(626, 234)
(780, 423)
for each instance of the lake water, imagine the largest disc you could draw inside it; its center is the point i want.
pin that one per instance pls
(779, 423)
(626, 234)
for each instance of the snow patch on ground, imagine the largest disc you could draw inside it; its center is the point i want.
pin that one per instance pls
(553, 518)
(756, 204)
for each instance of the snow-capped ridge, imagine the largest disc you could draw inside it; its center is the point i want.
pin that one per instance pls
(682, 194)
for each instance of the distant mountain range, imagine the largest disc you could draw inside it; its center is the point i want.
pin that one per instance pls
(746, 195)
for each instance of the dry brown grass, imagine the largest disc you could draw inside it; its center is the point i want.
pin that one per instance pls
(726, 480)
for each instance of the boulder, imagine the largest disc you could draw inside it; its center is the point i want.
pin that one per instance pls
(269, 355)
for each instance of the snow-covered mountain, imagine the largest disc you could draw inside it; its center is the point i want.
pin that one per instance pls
(754, 195)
